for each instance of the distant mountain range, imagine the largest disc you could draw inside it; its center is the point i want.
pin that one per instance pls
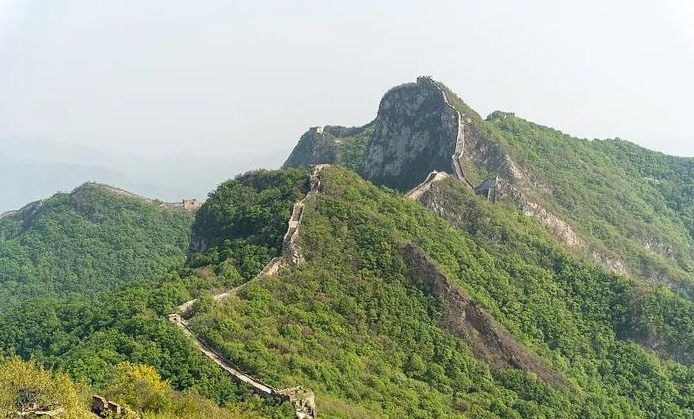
(33, 169)
(430, 263)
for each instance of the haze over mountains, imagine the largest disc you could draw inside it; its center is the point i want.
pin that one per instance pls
(478, 242)
(430, 263)
(32, 169)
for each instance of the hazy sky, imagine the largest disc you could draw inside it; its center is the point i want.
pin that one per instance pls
(162, 76)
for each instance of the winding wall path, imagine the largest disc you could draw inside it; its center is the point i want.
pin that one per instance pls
(420, 189)
(302, 400)
(457, 157)
(218, 359)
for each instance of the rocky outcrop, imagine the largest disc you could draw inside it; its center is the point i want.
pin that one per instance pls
(489, 340)
(321, 145)
(415, 132)
(438, 200)
(315, 146)
(423, 127)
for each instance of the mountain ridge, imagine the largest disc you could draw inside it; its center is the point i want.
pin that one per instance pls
(418, 294)
(487, 157)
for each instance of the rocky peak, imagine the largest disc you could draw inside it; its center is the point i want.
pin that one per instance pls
(415, 133)
(316, 146)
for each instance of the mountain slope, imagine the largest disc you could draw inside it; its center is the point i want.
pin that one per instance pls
(625, 202)
(30, 391)
(91, 275)
(620, 205)
(395, 314)
(88, 241)
(333, 144)
(546, 276)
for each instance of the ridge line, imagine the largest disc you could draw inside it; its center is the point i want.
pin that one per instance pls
(303, 400)
(456, 158)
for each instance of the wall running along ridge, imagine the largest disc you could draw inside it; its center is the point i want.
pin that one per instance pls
(423, 187)
(457, 157)
(303, 400)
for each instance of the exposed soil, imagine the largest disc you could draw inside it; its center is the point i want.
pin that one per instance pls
(488, 339)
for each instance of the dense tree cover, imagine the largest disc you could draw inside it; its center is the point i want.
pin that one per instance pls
(671, 176)
(23, 384)
(88, 336)
(587, 317)
(631, 204)
(87, 241)
(244, 220)
(349, 325)
(353, 148)
(86, 326)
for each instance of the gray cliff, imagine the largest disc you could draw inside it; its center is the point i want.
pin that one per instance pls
(415, 133)
(315, 146)
(331, 144)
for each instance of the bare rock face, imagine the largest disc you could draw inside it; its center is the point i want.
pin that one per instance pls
(424, 127)
(488, 339)
(315, 146)
(323, 145)
(415, 133)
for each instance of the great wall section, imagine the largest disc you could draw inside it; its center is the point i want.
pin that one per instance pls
(303, 400)
(457, 157)
(184, 204)
(489, 188)
(420, 189)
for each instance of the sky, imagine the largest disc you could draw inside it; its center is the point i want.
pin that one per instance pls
(211, 77)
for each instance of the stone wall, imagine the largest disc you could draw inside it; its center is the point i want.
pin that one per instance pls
(415, 133)
(303, 400)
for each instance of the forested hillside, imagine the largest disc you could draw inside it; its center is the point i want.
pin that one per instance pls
(362, 324)
(468, 302)
(355, 326)
(88, 241)
(97, 336)
(632, 204)
(28, 388)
